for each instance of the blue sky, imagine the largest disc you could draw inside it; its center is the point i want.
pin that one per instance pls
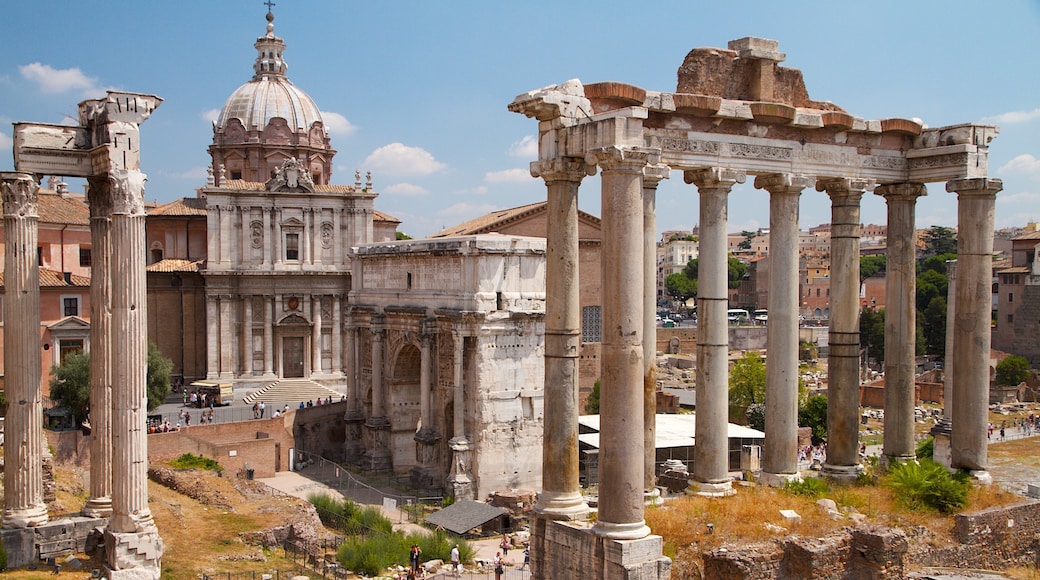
(416, 91)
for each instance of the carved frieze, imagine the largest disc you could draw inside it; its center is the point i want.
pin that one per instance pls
(950, 160)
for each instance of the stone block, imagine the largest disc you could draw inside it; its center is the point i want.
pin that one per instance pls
(877, 552)
(753, 562)
(791, 517)
(20, 545)
(815, 557)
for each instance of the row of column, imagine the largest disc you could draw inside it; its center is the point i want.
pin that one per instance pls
(241, 234)
(230, 353)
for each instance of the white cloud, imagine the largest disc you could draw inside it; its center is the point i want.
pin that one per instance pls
(407, 189)
(5, 142)
(337, 124)
(1020, 197)
(466, 209)
(1024, 163)
(526, 148)
(52, 80)
(508, 176)
(399, 159)
(1012, 117)
(211, 115)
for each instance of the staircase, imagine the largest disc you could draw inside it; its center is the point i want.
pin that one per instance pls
(292, 390)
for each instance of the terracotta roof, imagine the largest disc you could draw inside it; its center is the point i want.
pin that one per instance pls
(176, 265)
(1035, 235)
(186, 206)
(54, 209)
(383, 217)
(1013, 270)
(54, 279)
(493, 221)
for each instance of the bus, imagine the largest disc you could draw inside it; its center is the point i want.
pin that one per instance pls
(761, 316)
(737, 315)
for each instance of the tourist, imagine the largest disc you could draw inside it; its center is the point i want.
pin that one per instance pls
(187, 418)
(456, 564)
(301, 404)
(262, 407)
(499, 569)
(256, 410)
(527, 557)
(413, 557)
(505, 545)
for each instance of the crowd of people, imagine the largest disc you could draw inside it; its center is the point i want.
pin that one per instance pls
(1022, 426)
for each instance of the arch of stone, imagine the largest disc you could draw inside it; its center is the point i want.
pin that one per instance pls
(736, 113)
(105, 149)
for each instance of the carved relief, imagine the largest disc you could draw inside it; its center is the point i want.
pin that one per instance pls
(20, 193)
(760, 151)
(326, 309)
(677, 144)
(291, 176)
(256, 234)
(326, 235)
(951, 160)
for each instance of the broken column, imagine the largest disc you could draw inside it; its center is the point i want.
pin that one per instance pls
(711, 454)
(976, 198)
(900, 320)
(23, 447)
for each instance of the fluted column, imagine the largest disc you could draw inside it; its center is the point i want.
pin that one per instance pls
(900, 319)
(99, 503)
(711, 454)
(781, 444)
(337, 334)
(843, 336)
(378, 396)
(652, 175)
(976, 199)
(130, 512)
(459, 481)
(426, 338)
(316, 336)
(459, 400)
(212, 337)
(621, 394)
(23, 448)
(269, 336)
(560, 497)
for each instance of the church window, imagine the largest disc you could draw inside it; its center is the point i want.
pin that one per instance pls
(591, 324)
(292, 246)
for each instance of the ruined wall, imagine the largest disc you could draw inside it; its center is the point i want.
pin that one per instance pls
(571, 550)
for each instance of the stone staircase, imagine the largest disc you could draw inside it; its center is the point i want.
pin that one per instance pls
(291, 390)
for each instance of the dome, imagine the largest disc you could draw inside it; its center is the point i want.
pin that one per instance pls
(258, 101)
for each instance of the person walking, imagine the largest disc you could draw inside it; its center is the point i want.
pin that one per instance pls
(413, 557)
(262, 407)
(456, 564)
(527, 557)
(499, 567)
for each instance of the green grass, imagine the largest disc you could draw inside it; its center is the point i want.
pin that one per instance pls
(192, 461)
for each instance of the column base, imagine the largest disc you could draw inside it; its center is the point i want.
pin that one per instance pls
(706, 489)
(98, 507)
(572, 550)
(133, 556)
(563, 506)
(981, 476)
(461, 487)
(889, 460)
(942, 451)
(842, 473)
(626, 531)
(778, 479)
(29, 517)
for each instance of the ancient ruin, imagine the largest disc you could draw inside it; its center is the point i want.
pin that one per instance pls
(736, 113)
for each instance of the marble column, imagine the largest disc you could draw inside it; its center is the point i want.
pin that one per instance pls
(711, 454)
(900, 319)
(225, 336)
(212, 337)
(353, 417)
(843, 335)
(99, 503)
(652, 176)
(621, 479)
(337, 334)
(560, 498)
(247, 335)
(780, 461)
(269, 336)
(316, 336)
(23, 449)
(976, 200)
(378, 423)
(459, 481)
(426, 378)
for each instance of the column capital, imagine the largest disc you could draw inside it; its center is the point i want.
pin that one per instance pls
(845, 186)
(905, 191)
(562, 169)
(975, 186)
(20, 194)
(784, 182)
(714, 177)
(623, 158)
(653, 174)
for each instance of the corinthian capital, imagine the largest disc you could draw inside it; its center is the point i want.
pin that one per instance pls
(784, 182)
(20, 193)
(127, 191)
(623, 158)
(714, 177)
(562, 169)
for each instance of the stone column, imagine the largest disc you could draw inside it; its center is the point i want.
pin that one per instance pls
(459, 481)
(652, 175)
(843, 336)
(780, 463)
(269, 336)
(711, 454)
(225, 235)
(560, 498)
(266, 258)
(378, 423)
(23, 450)
(305, 239)
(976, 198)
(247, 335)
(337, 236)
(245, 242)
(316, 336)
(226, 336)
(425, 376)
(621, 437)
(943, 430)
(212, 337)
(337, 334)
(900, 319)
(99, 503)
(353, 417)
(278, 256)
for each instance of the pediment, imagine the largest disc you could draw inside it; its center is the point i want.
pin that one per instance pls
(68, 323)
(294, 320)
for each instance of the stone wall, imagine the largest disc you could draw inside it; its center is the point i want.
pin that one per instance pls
(571, 550)
(873, 395)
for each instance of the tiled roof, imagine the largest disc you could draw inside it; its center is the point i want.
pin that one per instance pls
(493, 221)
(1035, 235)
(383, 217)
(53, 279)
(1013, 270)
(54, 209)
(176, 265)
(186, 206)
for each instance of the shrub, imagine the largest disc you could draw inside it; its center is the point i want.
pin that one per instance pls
(810, 487)
(372, 555)
(926, 449)
(925, 484)
(192, 461)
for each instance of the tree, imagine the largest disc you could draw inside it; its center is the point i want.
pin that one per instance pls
(871, 265)
(592, 403)
(680, 288)
(747, 383)
(872, 332)
(691, 269)
(933, 323)
(756, 416)
(1012, 371)
(737, 270)
(401, 236)
(746, 243)
(70, 384)
(940, 240)
(813, 414)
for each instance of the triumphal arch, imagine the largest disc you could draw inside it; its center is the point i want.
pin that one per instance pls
(735, 114)
(104, 148)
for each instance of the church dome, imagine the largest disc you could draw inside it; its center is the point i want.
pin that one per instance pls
(269, 120)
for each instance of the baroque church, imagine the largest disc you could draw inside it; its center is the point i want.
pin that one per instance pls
(287, 286)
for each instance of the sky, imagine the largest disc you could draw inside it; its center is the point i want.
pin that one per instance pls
(416, 91)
